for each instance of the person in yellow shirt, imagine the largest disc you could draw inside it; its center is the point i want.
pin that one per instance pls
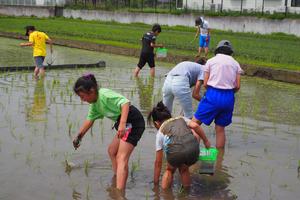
(38, 41)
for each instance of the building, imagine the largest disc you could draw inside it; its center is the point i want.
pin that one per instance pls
(33, 2)
(271, 6)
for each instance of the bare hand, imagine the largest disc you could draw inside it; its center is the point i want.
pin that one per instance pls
(121, 130)
(76, 142)
(206, 144)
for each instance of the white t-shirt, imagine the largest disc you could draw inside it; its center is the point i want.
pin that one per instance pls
(204, 28)
(162, 140)
(223, 70)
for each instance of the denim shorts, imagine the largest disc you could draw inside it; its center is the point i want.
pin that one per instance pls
(217, 105)
(39, 60)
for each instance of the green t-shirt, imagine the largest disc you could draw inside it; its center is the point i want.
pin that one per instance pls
(108, 105)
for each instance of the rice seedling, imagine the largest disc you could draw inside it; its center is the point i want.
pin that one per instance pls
(88, 191)
(147, 195)
(76, 195)
(70, 129)
(86, 167)
(68, 166)
(13, 132)
(91, 131)
(21, 137)
(298, 169)
(29, 159)
(134, 168)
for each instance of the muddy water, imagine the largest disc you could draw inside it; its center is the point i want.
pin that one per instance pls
(39, 118)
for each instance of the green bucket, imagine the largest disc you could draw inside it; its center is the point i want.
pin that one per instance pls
(208, 154)
(161, 52)
(207, 160)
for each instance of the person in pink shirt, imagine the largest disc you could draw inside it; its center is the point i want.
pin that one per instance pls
(222, 75)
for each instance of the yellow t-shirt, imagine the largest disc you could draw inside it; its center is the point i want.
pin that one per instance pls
(39, 43)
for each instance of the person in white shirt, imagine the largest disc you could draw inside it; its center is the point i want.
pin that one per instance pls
(179, 82)
(203, 30)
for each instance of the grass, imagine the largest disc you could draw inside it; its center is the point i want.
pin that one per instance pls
(275, 50)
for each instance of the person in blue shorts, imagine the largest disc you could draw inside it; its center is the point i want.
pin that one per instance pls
(222, 76)
(203, 30)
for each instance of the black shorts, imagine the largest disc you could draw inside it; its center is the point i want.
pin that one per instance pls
(182, 150)
(146, 58)
(135, 126)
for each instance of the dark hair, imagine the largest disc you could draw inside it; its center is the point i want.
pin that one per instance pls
(29, 28)
(224, 50)
(156, 27)
(159, 113)
(200, 60)
(85, 84)
(198, 21)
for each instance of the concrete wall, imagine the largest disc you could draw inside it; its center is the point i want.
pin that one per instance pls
(235, 5)
(33, 2)
(27, 11)
(236, 24)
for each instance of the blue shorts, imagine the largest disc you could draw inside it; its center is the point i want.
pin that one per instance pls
(203, 42)
(216, 104)
(39, 60)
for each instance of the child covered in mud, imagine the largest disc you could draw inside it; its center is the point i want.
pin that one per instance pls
(129, 123)
(222, 76)
(176, 139)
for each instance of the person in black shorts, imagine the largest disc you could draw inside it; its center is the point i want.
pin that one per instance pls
(147, 54)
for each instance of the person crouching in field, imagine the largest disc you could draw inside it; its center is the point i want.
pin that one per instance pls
(147, 52)
(175, 138)
(129, 123)
(179, 82)
(222, 76)
(38, 41)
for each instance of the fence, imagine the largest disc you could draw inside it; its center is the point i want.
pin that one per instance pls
(216, 6)
(173, 6)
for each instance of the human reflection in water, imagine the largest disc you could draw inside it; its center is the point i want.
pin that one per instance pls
(215, 187)
(38, 111)
(145, 93)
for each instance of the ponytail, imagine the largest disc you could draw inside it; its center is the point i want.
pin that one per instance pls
(159, 113)
(85, 83)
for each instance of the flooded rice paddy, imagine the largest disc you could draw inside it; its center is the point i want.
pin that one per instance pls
(39, 119)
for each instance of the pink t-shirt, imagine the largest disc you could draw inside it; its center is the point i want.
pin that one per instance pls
(223, 70)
